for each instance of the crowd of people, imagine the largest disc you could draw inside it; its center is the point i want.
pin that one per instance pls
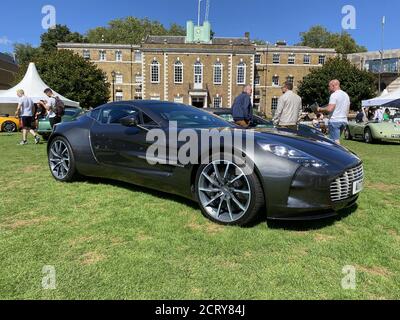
(30, 113)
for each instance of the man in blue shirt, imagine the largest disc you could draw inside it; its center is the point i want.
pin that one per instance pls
(242, 109)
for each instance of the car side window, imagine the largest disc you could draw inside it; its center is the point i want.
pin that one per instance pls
(147, 121)
(95, 113)
(114, 113)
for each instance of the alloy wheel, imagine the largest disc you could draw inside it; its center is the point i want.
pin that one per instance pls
(60, 162)
(224, 191)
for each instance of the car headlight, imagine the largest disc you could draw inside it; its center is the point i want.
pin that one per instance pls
(295, 155)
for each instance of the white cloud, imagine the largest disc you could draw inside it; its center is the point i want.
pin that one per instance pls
(5, 41)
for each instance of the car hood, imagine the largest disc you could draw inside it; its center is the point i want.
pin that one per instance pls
(318, 147)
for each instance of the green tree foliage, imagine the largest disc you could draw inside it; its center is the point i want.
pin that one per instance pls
(70, 75)
(25, 53)
(319, 37)
(359, 84)
(60, 33)
(131, 30)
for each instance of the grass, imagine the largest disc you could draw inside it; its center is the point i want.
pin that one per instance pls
(109, 240)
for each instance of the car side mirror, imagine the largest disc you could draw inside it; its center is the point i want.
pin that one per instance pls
(130, 121)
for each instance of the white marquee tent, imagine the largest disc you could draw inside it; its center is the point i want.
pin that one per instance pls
(33, 87)
(391, 99)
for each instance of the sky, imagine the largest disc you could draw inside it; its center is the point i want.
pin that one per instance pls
(21, 20)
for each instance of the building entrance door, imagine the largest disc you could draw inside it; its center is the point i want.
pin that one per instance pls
(198, 102)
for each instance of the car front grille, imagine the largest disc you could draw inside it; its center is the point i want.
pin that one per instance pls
(342, 187)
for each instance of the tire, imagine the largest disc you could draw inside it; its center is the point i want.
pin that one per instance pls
(9, 127)
(62, 161)
(347, 134)
(368, 138)
(232, 198)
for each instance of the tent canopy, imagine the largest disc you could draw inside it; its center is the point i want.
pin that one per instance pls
(386, 99)
(33, 87)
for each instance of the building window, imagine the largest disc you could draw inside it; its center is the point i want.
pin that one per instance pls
(290, 79)
(218, 73)
(275, 81)
(138, 56)
(292, 59)
(307, 59)
(178, 99)
(138, 79)
(178, 72)
(241, 73)
(321, 60)
(103, 55)
(274, 105)
(257, 79)
(119, 96)
(276, 58)
(156, 98)
(198, 73)
(86, 54)
(118, 56)
(217, 102)
(155, 72)
(257, 58)
(119, 79)
(138, 91)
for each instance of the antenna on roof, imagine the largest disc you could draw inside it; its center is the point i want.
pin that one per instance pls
(207, 10)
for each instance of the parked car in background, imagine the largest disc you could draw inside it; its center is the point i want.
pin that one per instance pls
(71, 113)
(9, 124)
(259, 122)
(373, 131)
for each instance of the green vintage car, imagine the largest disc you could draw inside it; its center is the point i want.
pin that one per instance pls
(71, 113)
(373, 131)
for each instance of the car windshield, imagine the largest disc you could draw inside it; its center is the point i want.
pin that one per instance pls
(188, 117)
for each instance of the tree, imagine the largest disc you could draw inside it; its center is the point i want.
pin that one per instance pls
(72, 76)
(131, 30)
(319, 37)
(259, 42)
(25, 53)
(60, 33)
(359, 84)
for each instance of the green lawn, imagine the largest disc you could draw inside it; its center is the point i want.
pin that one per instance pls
(108, 240)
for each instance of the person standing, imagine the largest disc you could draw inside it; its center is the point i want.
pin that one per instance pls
(50, 106)
(242, 109)
(288, 113)
(25, 111)
(339, 108)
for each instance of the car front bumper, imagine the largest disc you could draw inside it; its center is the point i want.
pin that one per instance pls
(310, 195)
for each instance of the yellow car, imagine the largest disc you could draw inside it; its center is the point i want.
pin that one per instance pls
(9, 124)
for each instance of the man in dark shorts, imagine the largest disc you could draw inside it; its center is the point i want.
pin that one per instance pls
(25, 112)
(51, 108)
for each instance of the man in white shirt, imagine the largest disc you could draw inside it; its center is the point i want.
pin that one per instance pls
(25, 111)
(289, 109)
(50, 107)
(339, 108)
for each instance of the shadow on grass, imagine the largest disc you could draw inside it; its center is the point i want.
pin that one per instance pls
(312, 224)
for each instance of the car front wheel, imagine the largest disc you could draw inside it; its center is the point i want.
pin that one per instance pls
(227, 195)
(368, 136)
(61, 160)
(347, 134)
(9, 126)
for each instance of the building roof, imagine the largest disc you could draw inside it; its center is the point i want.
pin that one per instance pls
(7, 58)
(182, 40)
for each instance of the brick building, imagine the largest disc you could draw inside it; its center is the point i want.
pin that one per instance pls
(201, 70)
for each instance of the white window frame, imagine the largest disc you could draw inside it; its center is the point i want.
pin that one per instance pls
(218, 65)
(178, 65)
(307, 59)
(241, 66)
(220, 102)
(119, 96)
(138, 79)
(257, 79)
(198, 76)
(257, 58)
(119, 78)
(321, 59)
(135, 56)
(102, 55)
(290, 79)
(178, 99)
(155, 98)
(292, 58)
(155, 67)
(118, 56)
(275, 84)
(276, 58)
(274, 105)
(86, 54)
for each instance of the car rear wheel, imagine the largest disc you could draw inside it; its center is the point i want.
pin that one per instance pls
(62, 160)
(227, 195)
(347, 134)
(368, 136)
(9, 126)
